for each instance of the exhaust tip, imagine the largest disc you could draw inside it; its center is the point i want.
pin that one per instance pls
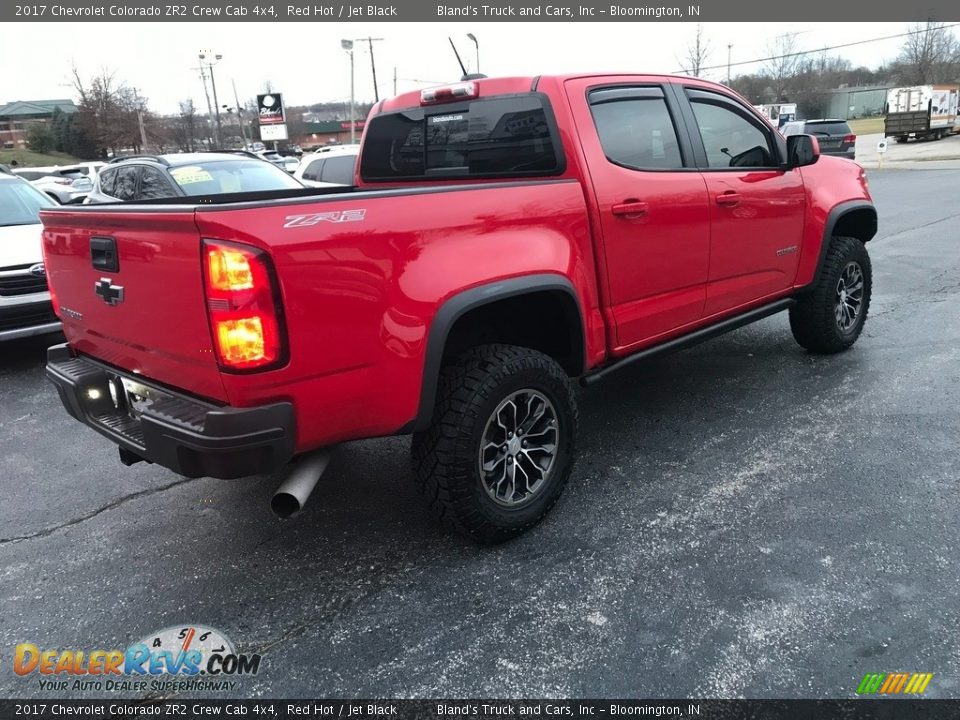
(285, 505)
(294, 492)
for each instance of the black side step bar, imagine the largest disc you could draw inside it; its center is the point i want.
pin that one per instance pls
(694, 338)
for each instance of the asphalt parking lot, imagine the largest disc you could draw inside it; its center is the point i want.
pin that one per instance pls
(746, 520)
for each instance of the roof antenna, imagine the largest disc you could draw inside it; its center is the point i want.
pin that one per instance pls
(463, 70)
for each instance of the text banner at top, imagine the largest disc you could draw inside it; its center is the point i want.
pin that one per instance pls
(432, 11)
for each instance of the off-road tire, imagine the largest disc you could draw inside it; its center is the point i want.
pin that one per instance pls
(445, 457)
(813, 319)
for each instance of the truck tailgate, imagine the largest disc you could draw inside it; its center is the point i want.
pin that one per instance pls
(145, 313)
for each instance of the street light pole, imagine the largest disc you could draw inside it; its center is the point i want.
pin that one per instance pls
(476, 45)
(348, 46)
(729, 48)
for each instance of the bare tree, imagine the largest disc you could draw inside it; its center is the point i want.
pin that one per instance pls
(697, 55)
(783, 64)
(109, 111)
(930, 54)
(185, 129)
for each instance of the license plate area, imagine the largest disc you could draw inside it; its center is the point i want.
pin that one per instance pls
(132, 398)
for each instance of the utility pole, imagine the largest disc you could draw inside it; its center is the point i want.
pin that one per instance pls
(729, 48)
(348, 46)
(143, 132)
(203, 78)
(243, 129)
(216, 109)
(373, 65)
(394, 80)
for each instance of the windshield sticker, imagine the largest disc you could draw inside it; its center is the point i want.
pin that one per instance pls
(190, 174)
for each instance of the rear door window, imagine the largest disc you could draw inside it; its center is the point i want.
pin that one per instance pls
(635, 128)
(126, 183)
(501, 137)
(153, 184)
(313, 170)
(339, 169)
(108, 182)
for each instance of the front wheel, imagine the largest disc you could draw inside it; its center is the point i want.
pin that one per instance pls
(830, 317)
(502, 443)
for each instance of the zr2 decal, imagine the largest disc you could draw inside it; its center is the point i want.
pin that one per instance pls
(335, 216)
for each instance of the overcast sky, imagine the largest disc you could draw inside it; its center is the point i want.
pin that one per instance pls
(305, 62)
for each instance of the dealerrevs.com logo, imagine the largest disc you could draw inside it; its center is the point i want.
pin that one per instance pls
(175, 659)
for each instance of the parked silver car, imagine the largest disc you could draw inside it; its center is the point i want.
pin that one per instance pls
(64, 188)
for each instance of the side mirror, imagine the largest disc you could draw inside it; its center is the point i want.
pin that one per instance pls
(802, 150)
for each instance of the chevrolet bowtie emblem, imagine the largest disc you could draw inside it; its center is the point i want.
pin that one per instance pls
(111, 294)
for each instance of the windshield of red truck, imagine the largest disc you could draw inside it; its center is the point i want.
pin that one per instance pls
(495, 138)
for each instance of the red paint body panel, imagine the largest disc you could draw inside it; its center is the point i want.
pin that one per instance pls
(160, 330)
(827, 183)
(755, 244)
(359, 298)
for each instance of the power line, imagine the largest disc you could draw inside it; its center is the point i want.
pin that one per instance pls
(824, 49)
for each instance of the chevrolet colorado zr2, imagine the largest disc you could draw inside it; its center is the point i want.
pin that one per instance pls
(505, 238)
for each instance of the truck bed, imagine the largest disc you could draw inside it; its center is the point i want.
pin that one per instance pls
(360, 276)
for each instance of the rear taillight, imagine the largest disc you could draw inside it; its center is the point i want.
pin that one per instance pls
(849, 138)
(243, 302)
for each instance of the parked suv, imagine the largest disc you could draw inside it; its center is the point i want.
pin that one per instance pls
(835, 136)
(149, 177)
(64, 188)
(329, 167)
(25, 307)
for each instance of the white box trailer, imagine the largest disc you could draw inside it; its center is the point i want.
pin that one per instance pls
(778, 113)
(922, 111)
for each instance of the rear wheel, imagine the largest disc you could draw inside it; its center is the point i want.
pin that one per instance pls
(829, 318)
(901, 139)
(502, 443)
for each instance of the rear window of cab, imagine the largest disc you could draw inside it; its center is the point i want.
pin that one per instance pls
(501, 137)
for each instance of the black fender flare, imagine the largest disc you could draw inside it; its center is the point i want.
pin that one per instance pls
(458, 305)
(834, 217)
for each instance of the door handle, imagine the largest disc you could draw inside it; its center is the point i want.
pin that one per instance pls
(728, 198)
(630, 208)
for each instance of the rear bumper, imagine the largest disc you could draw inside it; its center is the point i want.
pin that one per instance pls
(192, 437)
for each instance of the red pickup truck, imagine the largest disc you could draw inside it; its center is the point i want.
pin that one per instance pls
(505, 238)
